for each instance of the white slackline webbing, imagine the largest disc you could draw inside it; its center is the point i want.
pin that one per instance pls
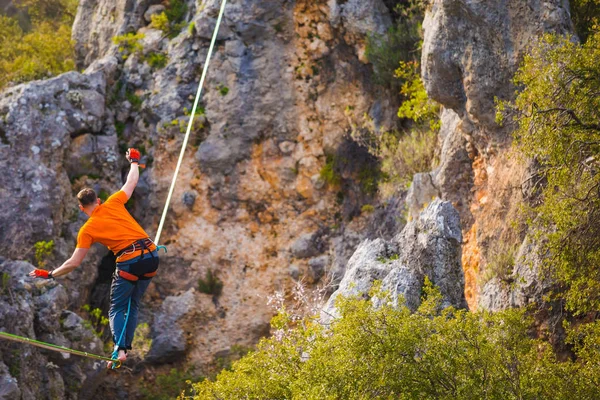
(190, 122)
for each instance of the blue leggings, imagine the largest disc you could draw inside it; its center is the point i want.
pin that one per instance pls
(120, 292)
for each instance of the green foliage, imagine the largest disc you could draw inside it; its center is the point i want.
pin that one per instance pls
(586, 17)
(120, 128)
(191, 28)
(43, 250)
(385, 260)
(405, 154)
(235, 353)
(103, 195)
(167, 386)
(135, 100)
(389, 353)
(129, 44)
(97, 322)
(142, 340)
(171, 21)
(330, 173)
(57, 11)
(44, 52)
(558, 114)
(161, 22)
(211, 284)
(417, 105)
(367, 209)
(223, 90)
(500, 265)
(4, 282)
(157, 60)
(400, 43)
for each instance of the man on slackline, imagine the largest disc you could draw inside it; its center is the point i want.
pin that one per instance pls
(137, 257)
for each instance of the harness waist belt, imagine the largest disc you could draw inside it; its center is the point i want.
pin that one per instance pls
(141, 244)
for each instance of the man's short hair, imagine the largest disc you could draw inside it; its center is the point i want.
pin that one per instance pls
(87, 197)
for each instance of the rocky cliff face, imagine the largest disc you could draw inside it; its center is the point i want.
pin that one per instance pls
(250, 203)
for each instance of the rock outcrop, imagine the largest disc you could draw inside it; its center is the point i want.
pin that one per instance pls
(250, 202)
(38, 310)
(429, 246)
(471, 51)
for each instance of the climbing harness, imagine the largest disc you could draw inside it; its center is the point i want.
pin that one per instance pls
(114, 360)
(54, 347)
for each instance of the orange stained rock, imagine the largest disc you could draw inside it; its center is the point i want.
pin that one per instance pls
(471, 259)
(304, 186)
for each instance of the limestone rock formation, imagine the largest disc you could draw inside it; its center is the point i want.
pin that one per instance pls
(471, 51)
(38, 310)
(429, 246)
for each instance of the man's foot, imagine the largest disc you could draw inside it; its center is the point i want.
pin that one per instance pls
(121, 357)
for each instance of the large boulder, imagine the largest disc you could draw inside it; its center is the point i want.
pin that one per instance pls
(169, 343)
(36, 309)
(429, 246)
(38, 121)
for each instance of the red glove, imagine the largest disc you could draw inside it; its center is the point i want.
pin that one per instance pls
(133, 155)
(41, 273)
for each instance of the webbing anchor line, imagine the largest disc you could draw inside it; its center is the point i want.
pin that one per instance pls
(191, 121)
(53, 347)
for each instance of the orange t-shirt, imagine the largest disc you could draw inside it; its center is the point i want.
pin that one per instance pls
(113, 226)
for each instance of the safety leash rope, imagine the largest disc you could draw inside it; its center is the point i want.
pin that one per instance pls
(191, 121)
(53, 347)
(115, 353)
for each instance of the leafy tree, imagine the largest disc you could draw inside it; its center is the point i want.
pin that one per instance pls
(558, 116)
(44, 51)
(586, 17)
(388, 353)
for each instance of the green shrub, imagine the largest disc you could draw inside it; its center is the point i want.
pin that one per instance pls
(4, 282)
(168, 386)
(135, 100)
(500, 265)
(161, 22)
(330, 171)
(388, 353)
(367, 209)
(171, 21)
(417, 106)
(157, 60)
(223, 90)
(412, 150)
(400, 43)
(142, 340)
(43, 250)
(557, 112)
(103, 195)
(129, 43)
(211, 284)
(586, 17)
(97, 322)
(44, 52)
(120, 128)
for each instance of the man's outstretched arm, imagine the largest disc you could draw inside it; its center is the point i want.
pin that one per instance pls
(134, 173)
(65, 268)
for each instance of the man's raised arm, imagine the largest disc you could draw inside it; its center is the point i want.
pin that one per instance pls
(133, 156)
